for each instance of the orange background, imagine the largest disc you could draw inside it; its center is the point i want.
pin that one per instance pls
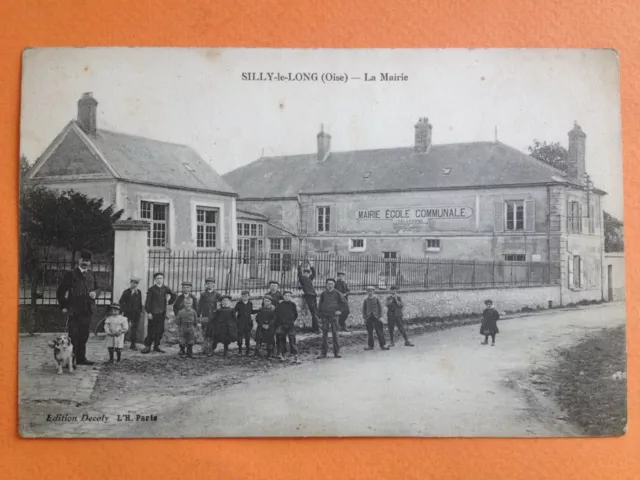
(366, 23)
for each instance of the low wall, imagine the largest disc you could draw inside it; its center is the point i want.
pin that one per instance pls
(420, 304)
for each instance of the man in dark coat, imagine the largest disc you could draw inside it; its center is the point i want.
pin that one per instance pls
(77, 295)
(306, 277)
(186, 292)
(329, 309)
(207, 306)
(156, 307)
(371, 313)
(131, 304)
(394, 317)
(343, 288)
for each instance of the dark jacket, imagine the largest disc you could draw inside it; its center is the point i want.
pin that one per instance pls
(286, 314)
(157, 299)
(277, 297)
(73, 292)
(307, 282)
(180, 303)
(331, 302)
(266, 317)
(208, 304)
(343, 288)
(394, 307)
(371, 307)
(489, 326)
(131, 303)
(243, 314)
(224, 325)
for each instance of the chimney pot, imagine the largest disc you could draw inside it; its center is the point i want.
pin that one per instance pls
(87, 113)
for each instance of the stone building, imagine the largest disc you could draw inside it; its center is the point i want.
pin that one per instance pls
(476, 201)
(187, 203)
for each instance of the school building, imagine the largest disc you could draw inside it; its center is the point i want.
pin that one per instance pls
(476, 201)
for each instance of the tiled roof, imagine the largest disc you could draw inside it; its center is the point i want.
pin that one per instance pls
(457, 165)
(144, 160)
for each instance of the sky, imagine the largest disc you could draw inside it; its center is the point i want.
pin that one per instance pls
(197, 97)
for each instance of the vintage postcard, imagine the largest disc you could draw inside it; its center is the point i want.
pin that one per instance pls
(290, 242)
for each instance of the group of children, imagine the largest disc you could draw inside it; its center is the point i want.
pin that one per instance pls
(275, 319)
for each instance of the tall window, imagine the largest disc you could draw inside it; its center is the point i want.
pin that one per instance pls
(575, 217)
(514, 215)
(324, 219)
(157, 214)
(280, 254)
(206, 227)
(390, 263)
(575, 271)
(250, 240)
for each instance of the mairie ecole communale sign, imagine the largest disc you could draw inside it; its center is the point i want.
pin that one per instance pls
(414, 214)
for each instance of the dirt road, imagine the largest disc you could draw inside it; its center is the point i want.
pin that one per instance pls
(448, 385)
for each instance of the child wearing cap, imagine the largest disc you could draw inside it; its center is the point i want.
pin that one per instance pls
(131, 304)
(244, 310)
(489, 326)
(156, 307)
(274, 293)
(371, 313)
(265, 331)
(115, 326)
(394, 317)
(286, 316)
(186, 293)
(343, 288)
(207, 306)
(224, 327)
(187, 321)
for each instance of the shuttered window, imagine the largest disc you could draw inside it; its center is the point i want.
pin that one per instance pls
(576, 271)
(324, 219)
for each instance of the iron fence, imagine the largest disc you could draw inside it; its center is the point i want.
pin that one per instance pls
(234, 272)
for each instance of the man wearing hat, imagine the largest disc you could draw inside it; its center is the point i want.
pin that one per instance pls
(330, 306)
(77, 295)
(343, 288)
(305, 278)
(207, 306)
(156, 307)
(371, 313)
(186, 293)
(131, 304)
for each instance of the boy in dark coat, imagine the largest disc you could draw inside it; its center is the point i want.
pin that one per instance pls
(186, 293)
(394, 317)
(306, 277)
(286, 316)
(131, 304)
(274, 293)
(489, 326)
(331, 304)
(207, 306)
(343, 288)
(244, 310)
(224, 326)
(371, 313)
(156, 307)
(265, 331)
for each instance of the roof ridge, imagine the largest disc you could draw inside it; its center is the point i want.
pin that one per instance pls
(536, 160)
(141, 137)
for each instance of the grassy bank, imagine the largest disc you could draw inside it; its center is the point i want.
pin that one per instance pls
(583, 383)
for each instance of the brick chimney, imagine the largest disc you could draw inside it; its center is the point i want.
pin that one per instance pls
(423, 136)
(87, 113)
(324, 144)
(576, 155)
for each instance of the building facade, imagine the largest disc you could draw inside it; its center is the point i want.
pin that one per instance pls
(188, 205)
(475, 201)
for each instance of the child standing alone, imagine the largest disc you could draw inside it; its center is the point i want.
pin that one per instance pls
(115, 326)
(489, 326)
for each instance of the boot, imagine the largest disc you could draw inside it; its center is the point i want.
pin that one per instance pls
(181, 352)
(407, 343)
(384, 347)
(246, 350)
(225, 353)
(119, 355)
(110, 354)
(133, 347)
(190, 351)
(147, 349)
(239, 349)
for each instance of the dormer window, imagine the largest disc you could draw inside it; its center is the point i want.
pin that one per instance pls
(366, 175)
(446, 171)
(189, 167)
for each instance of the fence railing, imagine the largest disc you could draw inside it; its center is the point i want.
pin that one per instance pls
(234, 272)
(39, 286)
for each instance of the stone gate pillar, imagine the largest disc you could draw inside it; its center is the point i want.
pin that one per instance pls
(131, 259)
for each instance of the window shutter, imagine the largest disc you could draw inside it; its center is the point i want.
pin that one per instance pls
(530, 215)
(592, 216)
(570, 263)
(313, 220)
(581, 273)
(498, 216)
(568, 215)
(596, 212)
(581, 218)
(333, 220)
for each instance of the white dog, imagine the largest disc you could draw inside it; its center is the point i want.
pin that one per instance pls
(63, 353)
